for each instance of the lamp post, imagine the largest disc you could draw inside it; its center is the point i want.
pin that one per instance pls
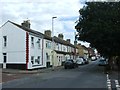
(53, 47)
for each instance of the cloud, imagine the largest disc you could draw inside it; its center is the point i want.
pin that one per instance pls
(40, 13)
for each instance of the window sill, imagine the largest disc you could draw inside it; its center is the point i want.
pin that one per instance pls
(36, 65)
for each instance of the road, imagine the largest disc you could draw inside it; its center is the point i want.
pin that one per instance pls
(85, 76)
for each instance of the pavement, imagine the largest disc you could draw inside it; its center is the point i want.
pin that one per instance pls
(11, 74)
(43, 70)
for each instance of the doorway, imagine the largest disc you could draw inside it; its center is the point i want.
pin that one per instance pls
(4, 59)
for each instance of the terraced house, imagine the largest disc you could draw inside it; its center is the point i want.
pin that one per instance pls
(24, 48)
(63, 49)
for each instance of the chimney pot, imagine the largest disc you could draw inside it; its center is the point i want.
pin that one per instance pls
(75, 42)
(60, 36)
(26, 23)
(48, 33)
(68, 40)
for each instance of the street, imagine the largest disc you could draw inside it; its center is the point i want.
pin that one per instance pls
(85, 76)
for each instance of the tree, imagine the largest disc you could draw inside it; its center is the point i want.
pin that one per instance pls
(99, 24)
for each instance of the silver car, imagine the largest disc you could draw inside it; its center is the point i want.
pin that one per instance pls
(80, 61)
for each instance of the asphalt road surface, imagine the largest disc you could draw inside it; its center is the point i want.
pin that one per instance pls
(85, 76)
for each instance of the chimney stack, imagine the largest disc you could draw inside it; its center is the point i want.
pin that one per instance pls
(48, 33)
(60, 36)
(26, 23)
(75, 43)
(79, 44)
(68, 40)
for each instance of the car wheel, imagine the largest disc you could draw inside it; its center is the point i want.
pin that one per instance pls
(65, 67)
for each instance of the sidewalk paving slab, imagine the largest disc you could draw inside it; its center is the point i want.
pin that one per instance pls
(11, 74)
(42, 70)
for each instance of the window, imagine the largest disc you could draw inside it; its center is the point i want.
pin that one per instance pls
(37, 61)
(64, 48)
(32, 59)
(4, 57)
(38, 43)
(59, 58)
(32, 41)
(5, 41)
(48, 44)
(47, 57)
(58, 46)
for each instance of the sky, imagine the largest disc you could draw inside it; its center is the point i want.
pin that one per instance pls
(40, 13)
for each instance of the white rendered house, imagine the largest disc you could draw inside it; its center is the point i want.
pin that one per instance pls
(21, 47)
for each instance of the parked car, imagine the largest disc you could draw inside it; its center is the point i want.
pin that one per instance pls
(80, 61)
(102, 62)
(86, 61)
(69, 63)
(93, 58)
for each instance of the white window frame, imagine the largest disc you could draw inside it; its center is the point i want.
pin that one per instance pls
(32, 42)
(5, 41)
(32, 59)
(39, 44)
(48, 44)
(38, 62)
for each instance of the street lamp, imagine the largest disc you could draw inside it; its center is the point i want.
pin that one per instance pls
(53, 27)
(53, 47)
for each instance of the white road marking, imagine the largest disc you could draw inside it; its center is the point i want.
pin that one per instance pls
(117, 85)
(108, 83)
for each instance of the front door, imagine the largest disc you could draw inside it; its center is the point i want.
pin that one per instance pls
(4, 60)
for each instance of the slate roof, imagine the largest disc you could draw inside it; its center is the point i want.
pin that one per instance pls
(56, 39)
(62, 52)
(27, 29)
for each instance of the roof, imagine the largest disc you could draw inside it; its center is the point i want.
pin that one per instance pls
(56, 39)
(26, 29)
(47, 37)
(62, 52)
